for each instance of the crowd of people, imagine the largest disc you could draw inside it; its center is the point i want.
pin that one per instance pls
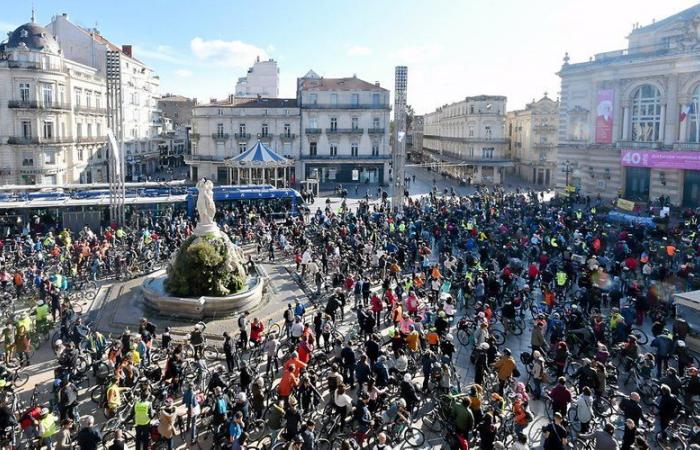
(371, 360)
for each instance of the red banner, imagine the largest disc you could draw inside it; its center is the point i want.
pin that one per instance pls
(604, 116)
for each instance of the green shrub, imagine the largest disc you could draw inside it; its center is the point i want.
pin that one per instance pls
(203, 267)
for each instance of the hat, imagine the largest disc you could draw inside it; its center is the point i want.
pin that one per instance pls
(44, 412)
(484, 346)
(259, 381)
(241, 397)
(40, 303)
(407, 378)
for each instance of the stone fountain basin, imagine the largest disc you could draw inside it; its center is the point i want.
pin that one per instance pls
(203, 307)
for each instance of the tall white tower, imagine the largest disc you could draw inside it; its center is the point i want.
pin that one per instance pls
(262, 79)
(399, 150)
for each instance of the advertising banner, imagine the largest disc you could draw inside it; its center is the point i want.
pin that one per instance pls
(604, 116)
(660, 160)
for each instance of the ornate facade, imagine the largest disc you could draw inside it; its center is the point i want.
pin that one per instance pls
(628, 119)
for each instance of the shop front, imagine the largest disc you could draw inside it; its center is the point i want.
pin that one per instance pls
(691, 188)
(346, 173)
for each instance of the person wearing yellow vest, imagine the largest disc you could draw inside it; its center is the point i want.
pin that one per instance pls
(114, 396)
(142, 422)
(48, 426)
(42, 315)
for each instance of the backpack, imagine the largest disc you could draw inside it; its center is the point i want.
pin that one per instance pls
(221, 406)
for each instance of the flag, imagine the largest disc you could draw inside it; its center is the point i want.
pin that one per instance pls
(685, 110)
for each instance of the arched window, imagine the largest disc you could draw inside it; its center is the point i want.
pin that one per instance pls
(646, 114)
(693, 117)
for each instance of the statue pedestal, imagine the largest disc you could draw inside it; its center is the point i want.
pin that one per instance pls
(210, 228)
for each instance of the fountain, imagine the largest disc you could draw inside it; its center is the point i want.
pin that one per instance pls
(206, 278)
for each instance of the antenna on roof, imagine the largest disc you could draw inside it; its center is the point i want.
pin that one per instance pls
(33, 14)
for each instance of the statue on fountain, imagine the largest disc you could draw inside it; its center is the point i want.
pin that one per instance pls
(207, 263)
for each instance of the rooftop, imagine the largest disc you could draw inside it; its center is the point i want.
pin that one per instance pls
(337, 84)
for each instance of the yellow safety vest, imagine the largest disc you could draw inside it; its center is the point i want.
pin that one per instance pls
(26, 323)
(113, 397)
(402, 228)
(141, 416)
(48, 426)
(561, 278)
(42, 312)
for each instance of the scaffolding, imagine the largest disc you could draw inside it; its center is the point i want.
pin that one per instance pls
(115, 133)
(399, 151)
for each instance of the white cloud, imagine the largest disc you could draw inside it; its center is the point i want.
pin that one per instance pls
(358, 50)
(161, 53)
(417, 54)
(226, 53)
(6, 27)
(270, 48)
(184, 73)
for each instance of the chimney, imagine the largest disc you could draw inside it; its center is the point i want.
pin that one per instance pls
(376, 83)
(230, 98)
(126, 49)
(65, 16)
(194, 100)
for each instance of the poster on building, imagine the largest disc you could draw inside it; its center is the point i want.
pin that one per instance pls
(660, 159)
(604, 116)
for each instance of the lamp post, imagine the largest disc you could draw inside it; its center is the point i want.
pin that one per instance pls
(567, 170)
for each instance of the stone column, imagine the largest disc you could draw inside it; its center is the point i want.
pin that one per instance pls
(662, 126)
(670, 121)
(625, 123)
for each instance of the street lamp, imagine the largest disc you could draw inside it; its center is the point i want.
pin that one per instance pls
(567, 170)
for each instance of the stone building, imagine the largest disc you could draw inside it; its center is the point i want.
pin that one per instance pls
(628, 119)
(224, 129)
(533, 141)
(344, 129)
(467, 139)
(177, 108)
(140, 85)
(52, 113)
(262, 80)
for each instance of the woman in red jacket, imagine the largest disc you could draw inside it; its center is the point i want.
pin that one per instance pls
(256, 331)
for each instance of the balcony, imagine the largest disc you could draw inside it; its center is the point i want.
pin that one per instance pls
(544, 128)
(33, 104)
(543, 145)
(265, 137)
(33, 65)
(345, 106)
(90, 110)
(376, 130)
(467, 140)
(210, 158)
(21, 140)
(636, 145)
(242, 136)
(91, 139)
(220, 136)
(345, 130)
(688, 146)
(341, 156)
(194, 136)
(286, 137)
(313, 131)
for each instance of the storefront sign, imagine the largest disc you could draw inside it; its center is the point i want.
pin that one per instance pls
(661, 160)
(625, 204)
(604, 116)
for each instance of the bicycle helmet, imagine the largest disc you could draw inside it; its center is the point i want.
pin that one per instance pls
(402, 403)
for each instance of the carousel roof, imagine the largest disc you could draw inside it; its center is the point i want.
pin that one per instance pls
(259, 155)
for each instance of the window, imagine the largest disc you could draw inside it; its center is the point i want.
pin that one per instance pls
(487, 132)
(220, 112)
(88, 99)
(471, 131)
(376, 100)
(334, 123)
(312, 149)
(50, 158)
(62, 94)
(313, 122)
(98, 100)
(241, 147)
(99, 154)
(646, 114)
(98, 129)
(27, 160)
(334, 150)
(471, 109)
(376, 122)
(78, 95)
(264, 129)
(313, 98)
(353, 149)
(63, 129)
(287, 149)
(26, 129)
(487, 153)
(375, 149)
(287, 130)
(241, 129)
(355, 123)
(694, 117)
(89, 130)
(79, 130)
(81, 153)
(220, 129)
(48, 130)
(49, 180)
(355, 99)
(334, 99)
(47, 93)
(24, 92)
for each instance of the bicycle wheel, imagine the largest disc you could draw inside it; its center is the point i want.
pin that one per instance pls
(81, 365)
(413, 437)
(499, 336)
(20, 379)
(275, 329)
(97, 393)
(642, 338)
(535, 434)
(433, 421)
(463, 336)
(517, 328)
(602, 407)
(322, 444)
(211, 353)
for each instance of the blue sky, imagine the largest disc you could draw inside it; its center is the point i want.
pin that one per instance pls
(452, 48)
